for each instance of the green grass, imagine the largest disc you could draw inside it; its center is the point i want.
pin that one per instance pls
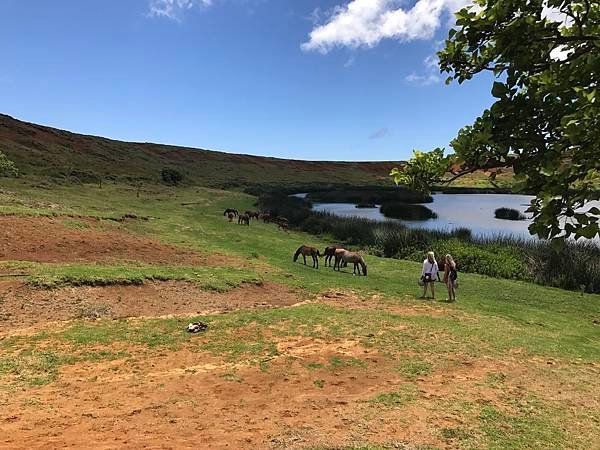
(210, 278)
(492, 319)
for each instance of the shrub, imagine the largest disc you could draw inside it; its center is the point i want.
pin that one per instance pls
(509, 214)
(171, 177)
(399, 210)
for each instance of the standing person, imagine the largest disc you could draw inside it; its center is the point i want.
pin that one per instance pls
(450, 277)
(429, 274)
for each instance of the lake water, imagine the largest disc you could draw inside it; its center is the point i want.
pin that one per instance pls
(472, 211)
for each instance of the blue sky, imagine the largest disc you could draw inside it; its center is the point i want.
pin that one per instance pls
(305, 79)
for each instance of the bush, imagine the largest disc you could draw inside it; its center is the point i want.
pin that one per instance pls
(509, 214)
(171, 177)
(399, 210)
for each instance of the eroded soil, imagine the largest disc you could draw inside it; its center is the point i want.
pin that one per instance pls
(24, 306)
(84, 240)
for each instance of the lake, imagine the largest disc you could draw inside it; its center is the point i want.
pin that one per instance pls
(472, 211)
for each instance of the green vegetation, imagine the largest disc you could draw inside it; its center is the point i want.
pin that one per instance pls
(383, 330)
(7, 167)
(574, 267)
(399, 210)
(544, 121)
(509, 214)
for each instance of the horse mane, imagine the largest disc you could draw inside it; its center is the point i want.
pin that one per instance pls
(298, 253)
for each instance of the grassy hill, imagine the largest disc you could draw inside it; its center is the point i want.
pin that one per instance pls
(44, 151)
(93, 313)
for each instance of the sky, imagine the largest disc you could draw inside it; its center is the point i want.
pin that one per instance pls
(303, 79)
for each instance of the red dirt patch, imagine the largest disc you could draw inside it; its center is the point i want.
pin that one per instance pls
(51, 240)
(24, 306)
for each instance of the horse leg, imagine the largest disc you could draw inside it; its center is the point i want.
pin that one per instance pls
(315, 261)
(304, 256)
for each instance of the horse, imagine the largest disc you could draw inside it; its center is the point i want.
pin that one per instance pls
(305, 251)
(266, 217)
(282, 223)
(230, 211)
(244, 219)
(252, 214)
(329, 254)
(350, 257)
(231, 216)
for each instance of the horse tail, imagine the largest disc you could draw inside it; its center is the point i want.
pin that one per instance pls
(297, 253)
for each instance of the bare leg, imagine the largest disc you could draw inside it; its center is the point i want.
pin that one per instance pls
(432, 290)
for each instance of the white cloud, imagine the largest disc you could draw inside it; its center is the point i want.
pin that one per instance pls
(365, 23)
(349, 62)
(174, 9)
(429, 76)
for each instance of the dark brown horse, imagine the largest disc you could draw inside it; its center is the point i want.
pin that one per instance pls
(252, 214)
(244, 219)
(342, 255)
(305, 251)
(282, 223)
(329, 254)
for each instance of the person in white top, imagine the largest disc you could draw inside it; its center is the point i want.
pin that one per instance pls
(429, 274)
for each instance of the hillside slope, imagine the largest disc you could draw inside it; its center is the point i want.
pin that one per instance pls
(44, 151)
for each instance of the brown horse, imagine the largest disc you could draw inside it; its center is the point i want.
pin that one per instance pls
(305, 251)
(266, 217)
(252, 214)
(244, 219)
(282, 223)
(329, 254)
(342, 255)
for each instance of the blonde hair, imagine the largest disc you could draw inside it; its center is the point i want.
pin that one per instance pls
(431, 257)
(450, 260)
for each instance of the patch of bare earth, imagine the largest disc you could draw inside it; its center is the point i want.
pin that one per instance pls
(52, 240)
(190, 398)
(25, 306)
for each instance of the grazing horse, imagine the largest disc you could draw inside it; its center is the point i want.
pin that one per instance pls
(266, 217)
(231, 216)
(342, 255)
(329, 254)
(305, 251)
(244, 219)
(282, 223)
(252, 214)
(230, 211)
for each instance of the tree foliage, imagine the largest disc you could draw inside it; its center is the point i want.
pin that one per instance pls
(545, 121)
(7, 167)
(421, 171)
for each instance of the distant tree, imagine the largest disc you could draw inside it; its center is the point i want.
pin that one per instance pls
(7, 167)
(545, 122)
(171, 177)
